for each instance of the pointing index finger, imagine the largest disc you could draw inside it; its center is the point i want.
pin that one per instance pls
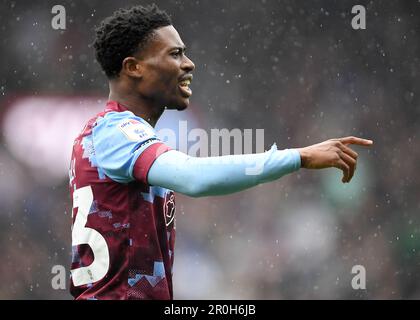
(355, 140)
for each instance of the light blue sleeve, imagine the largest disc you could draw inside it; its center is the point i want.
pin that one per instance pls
(118, 139)
(198, 177)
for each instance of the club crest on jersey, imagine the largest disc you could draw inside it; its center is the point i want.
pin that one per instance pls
(169, 208)
(134, 130)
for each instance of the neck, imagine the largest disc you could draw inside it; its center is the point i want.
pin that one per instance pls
(135, 103)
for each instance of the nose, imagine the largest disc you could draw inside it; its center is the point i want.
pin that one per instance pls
(187, 64)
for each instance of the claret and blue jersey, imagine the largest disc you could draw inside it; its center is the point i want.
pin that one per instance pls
(123, 230)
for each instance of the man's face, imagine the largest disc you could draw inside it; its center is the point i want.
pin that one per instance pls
(166, 70)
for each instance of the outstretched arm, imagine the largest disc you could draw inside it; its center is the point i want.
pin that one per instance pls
(211, 176)
(198, 177)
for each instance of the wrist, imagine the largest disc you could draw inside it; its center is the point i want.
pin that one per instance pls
(303, 157)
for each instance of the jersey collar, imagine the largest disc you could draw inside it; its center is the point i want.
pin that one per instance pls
(112, 105)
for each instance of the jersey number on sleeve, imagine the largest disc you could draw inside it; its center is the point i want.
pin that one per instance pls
(83, 199)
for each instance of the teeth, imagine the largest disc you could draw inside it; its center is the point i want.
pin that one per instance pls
(185, 83)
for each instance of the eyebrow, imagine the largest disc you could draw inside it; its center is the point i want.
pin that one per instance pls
(182, 48)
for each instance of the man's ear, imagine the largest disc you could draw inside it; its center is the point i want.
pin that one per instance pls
(132, 67)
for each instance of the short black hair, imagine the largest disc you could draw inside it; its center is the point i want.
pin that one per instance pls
(124, 33)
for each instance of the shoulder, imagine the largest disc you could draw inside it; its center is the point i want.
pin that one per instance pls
(126, 123)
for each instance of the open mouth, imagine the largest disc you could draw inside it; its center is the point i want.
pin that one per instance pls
(184, 87)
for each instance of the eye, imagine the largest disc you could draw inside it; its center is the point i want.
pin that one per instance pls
(177, 53)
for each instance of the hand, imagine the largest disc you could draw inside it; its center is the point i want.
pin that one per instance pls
(333, 153)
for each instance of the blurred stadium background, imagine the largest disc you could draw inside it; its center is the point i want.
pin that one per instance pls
(293, 68)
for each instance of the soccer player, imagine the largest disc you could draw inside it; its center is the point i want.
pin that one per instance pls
(123, 178)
